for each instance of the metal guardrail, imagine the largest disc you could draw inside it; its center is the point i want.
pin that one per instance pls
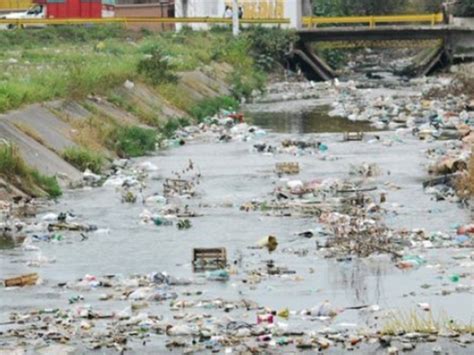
(137, 20)
(372, 21)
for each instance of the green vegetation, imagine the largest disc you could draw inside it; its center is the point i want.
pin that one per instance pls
(42, 74)
(83, 158)
(269, 45)
(49, 184)
(359, 7)
(75, 61)
(210, 107)
(157, 68)
(375, 7)
(54, 36)
(99, 133)
(14, 170)
(172, 125)
(465, 8)
(132, 141)
(336, 58)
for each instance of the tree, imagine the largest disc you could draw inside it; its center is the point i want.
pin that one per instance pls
(358, 7)
(465, 8)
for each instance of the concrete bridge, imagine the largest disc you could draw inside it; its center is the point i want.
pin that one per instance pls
(456, 42)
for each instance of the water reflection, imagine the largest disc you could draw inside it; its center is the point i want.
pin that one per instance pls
(6, 242)
(316, 121)
(361, 280)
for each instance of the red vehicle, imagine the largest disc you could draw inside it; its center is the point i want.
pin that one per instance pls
(74, 8)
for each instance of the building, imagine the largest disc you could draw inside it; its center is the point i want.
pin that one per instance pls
(14, 5)
(252, 9)
(146, 8)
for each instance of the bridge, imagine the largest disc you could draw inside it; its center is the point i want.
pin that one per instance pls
(451, 41)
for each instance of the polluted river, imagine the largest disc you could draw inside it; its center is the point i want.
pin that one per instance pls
(332, 240)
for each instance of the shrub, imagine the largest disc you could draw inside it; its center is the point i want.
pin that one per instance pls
(243, 84)
(83, 158)
(14, 170)
(209, 107)
(11, 162)
(172, 125)
(269, 45)
(133, 141)
(52, 35)
(335, 58)
(156, 68)
(49, 184)
(465, 8)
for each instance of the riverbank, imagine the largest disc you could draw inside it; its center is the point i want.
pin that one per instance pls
(101, 93)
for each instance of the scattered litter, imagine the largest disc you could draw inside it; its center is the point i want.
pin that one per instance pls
(23, 280)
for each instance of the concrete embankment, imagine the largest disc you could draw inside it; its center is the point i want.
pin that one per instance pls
(43, 131)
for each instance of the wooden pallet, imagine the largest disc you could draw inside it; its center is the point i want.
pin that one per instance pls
(23, 280)
(353, 136)
(287, 168)
(209, 258)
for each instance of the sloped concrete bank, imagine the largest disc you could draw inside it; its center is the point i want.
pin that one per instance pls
(43, 131)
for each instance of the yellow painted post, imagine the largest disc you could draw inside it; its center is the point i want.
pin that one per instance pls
(433, 20)
(372, 22)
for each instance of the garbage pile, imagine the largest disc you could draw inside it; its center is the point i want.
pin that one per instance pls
(441, 117)
(223, 127)
(292, 147)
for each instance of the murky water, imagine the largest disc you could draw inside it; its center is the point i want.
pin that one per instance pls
(315, 120)
(231, 175)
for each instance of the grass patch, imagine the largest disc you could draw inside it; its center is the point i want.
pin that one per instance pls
(57, 35)
(132, 141)
(74, 61)
(157, 68)
(100, 132)
(83, 158)
(209, 107)
(49, 184)
(172, 125)
(14, 170)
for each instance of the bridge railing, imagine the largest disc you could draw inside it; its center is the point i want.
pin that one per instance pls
(372, 21)
(139, 20)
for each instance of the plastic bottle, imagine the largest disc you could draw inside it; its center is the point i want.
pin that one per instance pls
(218, 275)
(265, 318)
(455, 277)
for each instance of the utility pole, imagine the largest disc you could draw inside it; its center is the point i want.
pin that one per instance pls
(235, 18)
